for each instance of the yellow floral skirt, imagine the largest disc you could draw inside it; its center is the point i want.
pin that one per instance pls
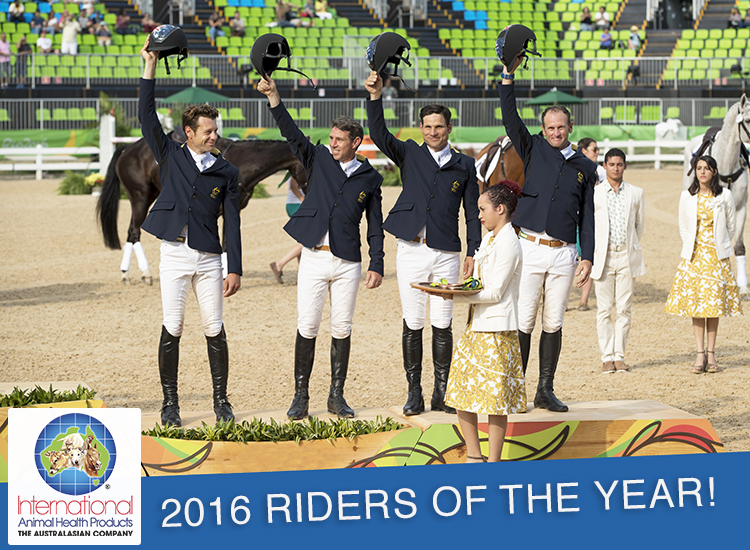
(704, 287)
(486, 375)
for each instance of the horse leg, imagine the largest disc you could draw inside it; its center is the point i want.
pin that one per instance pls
(140, 209)
(740, 193)
(127, 253)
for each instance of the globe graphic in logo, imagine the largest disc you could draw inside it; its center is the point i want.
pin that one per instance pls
(75, 454)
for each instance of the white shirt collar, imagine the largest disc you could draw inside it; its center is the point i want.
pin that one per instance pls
(442, 156)
(206, 159)
(350, 167)
(568, 151)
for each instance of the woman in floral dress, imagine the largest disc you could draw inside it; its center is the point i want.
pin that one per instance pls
(704, 287)
(486, 375)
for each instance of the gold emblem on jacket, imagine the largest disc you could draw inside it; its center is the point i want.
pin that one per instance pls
(215, 192)
(362, 197)
(455, 186)
(580, 177)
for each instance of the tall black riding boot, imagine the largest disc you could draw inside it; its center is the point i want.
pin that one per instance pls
(411, 343)
(304, 355)
(550, 345)
(218, 360)
(524, 341)
(442, 350)
(339, 366)
(169, 359)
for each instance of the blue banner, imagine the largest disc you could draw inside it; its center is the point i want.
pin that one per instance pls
(682, 501)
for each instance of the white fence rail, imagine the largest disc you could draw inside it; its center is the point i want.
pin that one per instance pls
(47, 159)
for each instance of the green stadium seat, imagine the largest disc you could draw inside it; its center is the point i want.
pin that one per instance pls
(716, 113)
(360, 113)
(673, 112)
(498, 113)
(4, 115)
(701, 33)
(650, 114)
(606, 113)
(43, 114)
(625, 114)
(59, 114)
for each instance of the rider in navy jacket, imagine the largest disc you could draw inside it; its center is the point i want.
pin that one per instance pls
(431, 194)
(187, 195)
(557, 197)
(558, 194)
(334, 202)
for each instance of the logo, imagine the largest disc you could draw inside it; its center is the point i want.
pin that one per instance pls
(74, 475)
(362, 197)
(580, 177)
(455, 186)
(215, 192)
(75, 454)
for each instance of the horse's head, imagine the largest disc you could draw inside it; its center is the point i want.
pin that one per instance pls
(745, 109)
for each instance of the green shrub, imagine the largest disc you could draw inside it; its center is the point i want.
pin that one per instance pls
(260, 192)
(391, 175)
(258, 430)
(74, 184)
(38, 396)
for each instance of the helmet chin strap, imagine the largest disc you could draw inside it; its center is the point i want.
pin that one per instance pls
(315, 86)
(395, 73)
(180, 58)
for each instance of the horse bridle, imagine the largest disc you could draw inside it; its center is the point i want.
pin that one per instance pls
(731, 178)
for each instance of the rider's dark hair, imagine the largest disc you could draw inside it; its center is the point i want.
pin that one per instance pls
(191, 115)
(615, 152)
(714, 185)
(349, 125)
(435, 110)
(505, 192)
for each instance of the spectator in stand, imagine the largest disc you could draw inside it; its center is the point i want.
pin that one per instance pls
(308, 10)
(605, 41)
(22, 55)
(586, 21)
(148, 23)
(70, 31)
(321, 9)
(15, 12)
(601, 19)
(4, 61)
(746, 21)
(734, 21)
(37, 22)
(634, 40)
(389, 90)
(43, 43)
(215, 22)
(52, 25)
(237, 24)
(287, 16)
(87, 26)
(103, 34)
(122, 23)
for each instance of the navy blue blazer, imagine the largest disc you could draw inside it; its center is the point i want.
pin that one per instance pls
(431, 195)
(333, 201)
(558, 194)
(189, 197)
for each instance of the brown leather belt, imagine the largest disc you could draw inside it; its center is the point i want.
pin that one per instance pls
(180, 239)
(324, 248)
(545, 242)
(420, 240)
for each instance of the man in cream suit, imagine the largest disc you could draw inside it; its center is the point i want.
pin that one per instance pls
(619, 216)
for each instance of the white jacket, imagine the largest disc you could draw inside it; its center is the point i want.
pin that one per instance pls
(723, 207)
(635, 216)
(496, 306)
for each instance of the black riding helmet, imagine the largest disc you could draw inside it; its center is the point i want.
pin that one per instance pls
(514, 41)
(385, 48)
(168, 40)
(267, 52)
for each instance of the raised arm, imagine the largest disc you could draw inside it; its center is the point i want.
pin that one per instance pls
(517, 132)
(161, 146)
(300, 145)
(391, 147)
(471, 211)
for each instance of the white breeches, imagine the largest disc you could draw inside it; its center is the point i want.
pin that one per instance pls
(180, 268)
(320, 272)
(548, 274)
(415, 263)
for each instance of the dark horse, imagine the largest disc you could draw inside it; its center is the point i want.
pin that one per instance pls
(134, 166)
(500, 162)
